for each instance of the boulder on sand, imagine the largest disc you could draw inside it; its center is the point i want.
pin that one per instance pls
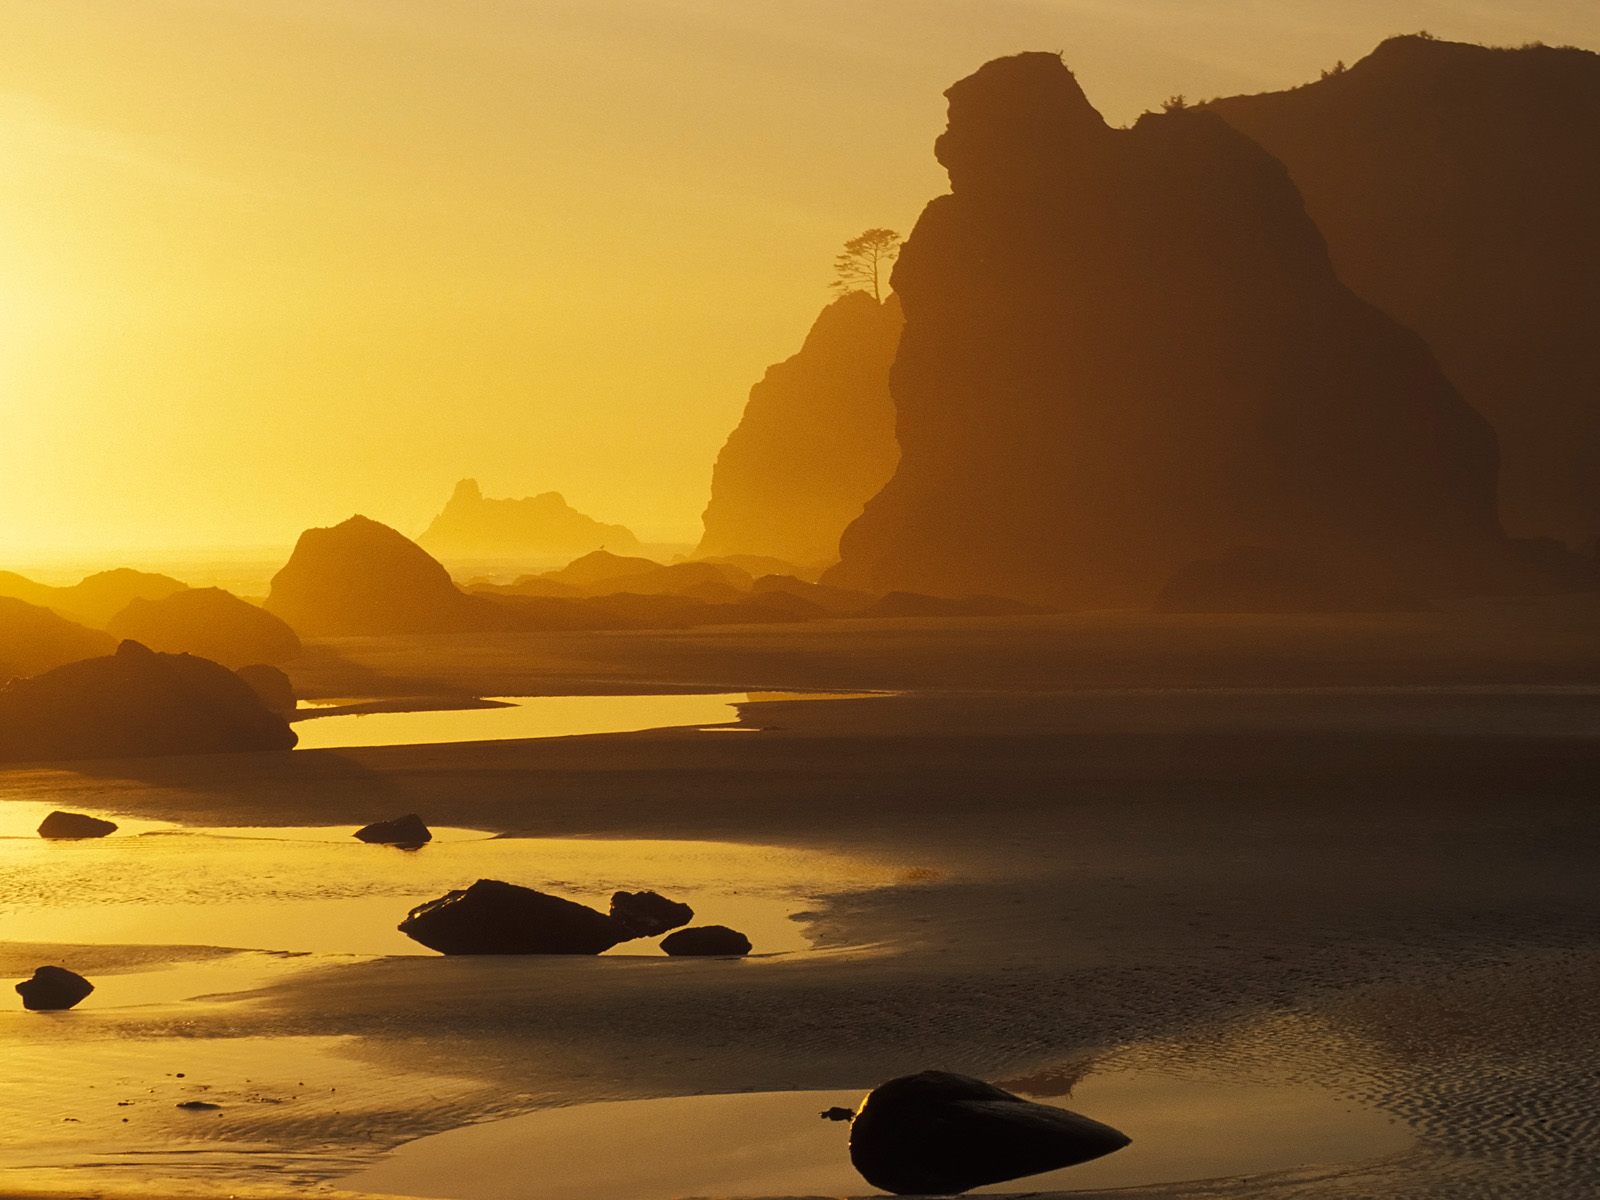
(406, 831)
(67, 826)
(135, 703)
(52, 989)
(937, 1134)
(706, 941)
(646, 914)
(492, 917)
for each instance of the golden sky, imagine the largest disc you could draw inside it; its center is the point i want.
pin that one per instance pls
(265, 263)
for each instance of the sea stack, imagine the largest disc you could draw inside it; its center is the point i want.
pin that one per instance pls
(816, 441)
(1457, 186)
(1126, 350)
(535, 529)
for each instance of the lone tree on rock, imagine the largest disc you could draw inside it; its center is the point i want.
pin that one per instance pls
(862, 264)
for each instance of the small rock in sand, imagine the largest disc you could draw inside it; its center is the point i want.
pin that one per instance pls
(706, 940)
(937, 1134)
(407, 831)
(647, 914)
(198, 1105)
(52, 989)
(67, 826)
(492, 917)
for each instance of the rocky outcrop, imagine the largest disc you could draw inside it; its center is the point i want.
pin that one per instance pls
(360, 577)
(492, 917)
(1457, 187)
(209, 622)
(408, 832)
(542, 527)
(1251, 579)
(1127, 349)
(815, 442)
(135, 703)
(62, 826)
(648, 914)
(53, 989)
(938, 1134)
(35, 639)
(94, 600)
(706, 941)
(271, 686)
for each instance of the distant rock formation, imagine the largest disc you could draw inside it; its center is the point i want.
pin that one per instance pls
(35, 639)
(363, 578)
(1127, 349)
(534, 527)
(94, 600)
(815, 443)
(1458, 188)
(211, 623)
(135, 703)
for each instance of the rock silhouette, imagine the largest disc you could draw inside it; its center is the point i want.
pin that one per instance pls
(94, 600)
(938, 1134)
(1071, 432)
(1457, 187)
(816, 441)
(709, 941)
(406, 831)
(35, 639)
(209, 622)
(648, 914)
(70, 826)
(492, 917)
(135, 703)
(360, 577)
(1250, 579)
(271, 686)
(52, 989)
(545, 526)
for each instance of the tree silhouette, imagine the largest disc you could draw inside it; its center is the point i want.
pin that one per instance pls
(862, 263)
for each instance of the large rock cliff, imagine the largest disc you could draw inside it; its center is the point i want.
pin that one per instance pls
(815, 443)
(1125, 350)
(1458, 188)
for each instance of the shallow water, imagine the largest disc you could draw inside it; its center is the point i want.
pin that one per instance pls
(319, 891)
(508, 718)
(774, 1144)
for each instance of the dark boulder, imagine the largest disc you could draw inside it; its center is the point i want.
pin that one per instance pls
(52, 989)
(135, 703)
(401, 831)
(706, 941)
(646, 914)
(271, 686)
(66, 826)
(937, 1134)
(492, 917)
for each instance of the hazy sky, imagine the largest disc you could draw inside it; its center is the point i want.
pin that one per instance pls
(265, 263)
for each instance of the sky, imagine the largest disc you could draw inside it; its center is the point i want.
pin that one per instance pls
(267, 263)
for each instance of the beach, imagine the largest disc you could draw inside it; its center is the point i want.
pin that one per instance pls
(1349, 854)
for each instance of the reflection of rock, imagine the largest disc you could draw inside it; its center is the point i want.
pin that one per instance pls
(35, 639)
(1125, 349)
(816, 441)
(209, 622)
(492, 917)
(69, 826)
(538, 527)
(1254, 579)
(52, 989)
(401, 831)
(937, 1134)
(135, 703)
(646, 914)
(706, 940)
(271, 686)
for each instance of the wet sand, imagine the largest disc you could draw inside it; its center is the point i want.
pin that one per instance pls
(1355, 853)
